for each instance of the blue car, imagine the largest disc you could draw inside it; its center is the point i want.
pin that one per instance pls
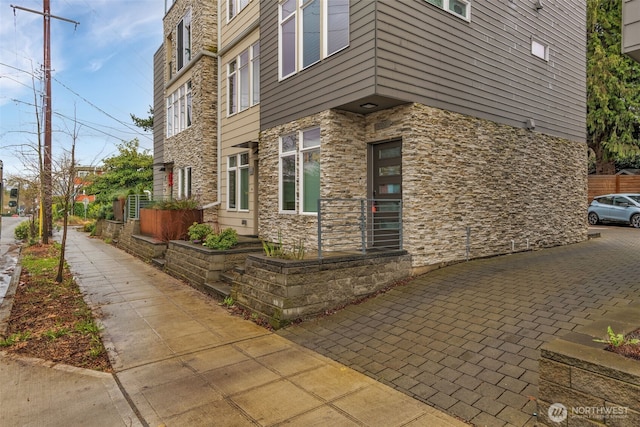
(623, 208)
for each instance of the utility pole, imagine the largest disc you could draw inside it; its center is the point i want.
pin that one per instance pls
(46, 223)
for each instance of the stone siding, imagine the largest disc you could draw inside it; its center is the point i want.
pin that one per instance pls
(508, 189)
(286, 290)
(196, 146)
(597, 387)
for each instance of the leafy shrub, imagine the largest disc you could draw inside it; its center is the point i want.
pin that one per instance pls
(227, 239)
(27, 231)
(199, 232)
(21, 231)
(176, 204)
(90, 227)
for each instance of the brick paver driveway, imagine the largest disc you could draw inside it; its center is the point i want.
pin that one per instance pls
(466, 338)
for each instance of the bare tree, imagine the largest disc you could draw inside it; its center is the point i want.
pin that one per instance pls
(65, 179)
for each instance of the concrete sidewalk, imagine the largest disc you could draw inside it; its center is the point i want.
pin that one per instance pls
(182, 360)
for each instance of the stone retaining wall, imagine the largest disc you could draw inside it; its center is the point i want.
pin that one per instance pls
(198, 265)
(285, 290)
(597, 387)
(110, 229)
(145, 248)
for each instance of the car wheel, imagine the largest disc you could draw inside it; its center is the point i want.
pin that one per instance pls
(593, 218)
(635, 220)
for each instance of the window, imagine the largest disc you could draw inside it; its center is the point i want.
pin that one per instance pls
(184, 183)
(310, 171)
(309, 31)
(179, 110)
(235, 6)
(288, 145)
(183, 46)
(255, 73)
(243, 80)
(461, 8)
(307, 156)
(540, 50)
(238, 182)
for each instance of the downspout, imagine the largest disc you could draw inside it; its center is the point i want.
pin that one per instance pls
(219, 107)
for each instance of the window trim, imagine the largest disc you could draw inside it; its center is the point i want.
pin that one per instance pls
(179, 110)
(237, 8)
(297, 16)
(282, 154)
(302, 150)
(252, 66)
(446, 6)
(183, 41)
(184, 182)
(238, 169)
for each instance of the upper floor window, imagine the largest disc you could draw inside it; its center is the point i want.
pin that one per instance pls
(310, 30)
(461, 8)
(235, 6)
(243, 80)
(179, 110)
(183, 44)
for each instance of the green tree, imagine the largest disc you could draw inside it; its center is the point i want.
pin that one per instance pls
(613, 88)
(130, 171)
(144, 124)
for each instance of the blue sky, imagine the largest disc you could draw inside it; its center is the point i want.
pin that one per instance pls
(102, 69)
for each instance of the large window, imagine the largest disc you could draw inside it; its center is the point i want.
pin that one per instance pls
(243, 80)
(310, 30)
(461, 8)
(184, 183)
(238, 182)
(304, 157)
(183, 45)
(235, 6)
(179, 110)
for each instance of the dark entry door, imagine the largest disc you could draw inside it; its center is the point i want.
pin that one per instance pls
(386, 208)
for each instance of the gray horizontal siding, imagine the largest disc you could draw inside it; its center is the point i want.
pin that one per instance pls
(339, 79)
(420, 53)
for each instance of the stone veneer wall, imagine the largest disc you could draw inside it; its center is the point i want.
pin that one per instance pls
(196, 146)
(512, 188)
(597, 387)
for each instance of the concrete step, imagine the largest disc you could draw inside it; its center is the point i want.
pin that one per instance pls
(227, 278)
(218, 289)
(158, 262)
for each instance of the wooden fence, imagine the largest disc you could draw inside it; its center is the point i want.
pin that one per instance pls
(607, 184)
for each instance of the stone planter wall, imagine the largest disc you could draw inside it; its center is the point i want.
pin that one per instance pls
(198, 265)
(111, 229)
(144, 247)
(597, 387)
(285, 290)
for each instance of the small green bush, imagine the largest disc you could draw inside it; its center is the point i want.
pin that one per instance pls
(227, 239)
(90, 227)
(199, 232)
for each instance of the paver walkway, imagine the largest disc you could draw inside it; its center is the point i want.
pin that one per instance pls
(466, 338)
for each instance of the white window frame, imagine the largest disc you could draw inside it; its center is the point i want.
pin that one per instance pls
(448, 5)
(183, 50)
(243, 80)
(184, 183)
(297, 153)
(234, 7)
(304, 150)
(241, 166)
(539, 49)
(179, 110)
(297, 18)
(286, 154)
